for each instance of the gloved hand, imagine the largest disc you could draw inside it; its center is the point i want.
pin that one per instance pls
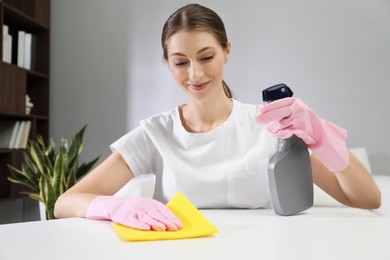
(139, 213)
(289, 116)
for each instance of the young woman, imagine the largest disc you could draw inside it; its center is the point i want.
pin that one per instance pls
(214, 149)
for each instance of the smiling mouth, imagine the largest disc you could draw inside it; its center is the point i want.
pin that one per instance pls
(199, 86)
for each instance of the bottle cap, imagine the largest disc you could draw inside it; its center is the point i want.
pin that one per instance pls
(276, 92)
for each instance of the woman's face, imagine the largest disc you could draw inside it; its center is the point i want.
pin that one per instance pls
(196, 60)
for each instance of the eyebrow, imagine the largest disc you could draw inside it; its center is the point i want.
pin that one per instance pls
(200, 51)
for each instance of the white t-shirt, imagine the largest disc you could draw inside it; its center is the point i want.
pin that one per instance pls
(223, 168)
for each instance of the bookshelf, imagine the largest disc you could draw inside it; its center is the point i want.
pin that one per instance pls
(20, 81)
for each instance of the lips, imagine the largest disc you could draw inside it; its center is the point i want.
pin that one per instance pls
(199, 86)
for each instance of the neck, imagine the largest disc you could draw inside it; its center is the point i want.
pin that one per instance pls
(200, 116)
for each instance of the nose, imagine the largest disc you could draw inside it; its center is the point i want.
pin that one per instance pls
(195, 72)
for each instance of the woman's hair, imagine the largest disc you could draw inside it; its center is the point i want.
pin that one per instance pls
(195, 17)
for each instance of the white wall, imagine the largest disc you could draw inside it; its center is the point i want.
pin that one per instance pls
(107, 68)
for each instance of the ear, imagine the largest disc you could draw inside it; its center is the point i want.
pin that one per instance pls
(227, 51)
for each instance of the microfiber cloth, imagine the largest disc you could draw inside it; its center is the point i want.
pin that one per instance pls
(194, 224)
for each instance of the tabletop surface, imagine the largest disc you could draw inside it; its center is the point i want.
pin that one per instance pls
(318, 233)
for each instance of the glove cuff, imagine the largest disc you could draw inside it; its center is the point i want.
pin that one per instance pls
(331, 150)
(99, 207)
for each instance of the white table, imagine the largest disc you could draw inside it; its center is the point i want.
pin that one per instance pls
(319, 233)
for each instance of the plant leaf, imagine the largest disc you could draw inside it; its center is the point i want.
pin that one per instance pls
(37, 156)
(42, 189)
(50, 199)
(22, 182)
(75, 150)
(34, 196)
(50, 151)
(20, 177)
(71, 179)
(48, 174)
(58, 173)
(30, 166)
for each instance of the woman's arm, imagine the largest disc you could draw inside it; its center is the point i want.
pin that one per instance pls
(335, 169)
(105, 179)
(353, 186)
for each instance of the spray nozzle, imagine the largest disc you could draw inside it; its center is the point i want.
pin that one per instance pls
(276, 92)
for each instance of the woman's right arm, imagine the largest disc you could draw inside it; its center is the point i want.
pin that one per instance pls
(106, 179)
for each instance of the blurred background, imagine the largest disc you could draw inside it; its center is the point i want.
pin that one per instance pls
(107, 69)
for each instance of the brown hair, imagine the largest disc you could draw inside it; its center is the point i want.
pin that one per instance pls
(195, 17)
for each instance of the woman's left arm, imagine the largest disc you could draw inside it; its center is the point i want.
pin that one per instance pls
(352, 186)
(335, 170)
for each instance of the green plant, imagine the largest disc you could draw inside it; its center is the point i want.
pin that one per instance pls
(48, 173)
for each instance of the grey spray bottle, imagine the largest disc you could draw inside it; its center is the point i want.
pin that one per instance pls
(289, 169)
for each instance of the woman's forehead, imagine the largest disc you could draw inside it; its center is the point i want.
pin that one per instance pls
(191, 42)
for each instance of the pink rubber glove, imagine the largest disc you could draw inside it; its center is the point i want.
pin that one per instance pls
(290, 116)
(139, 213)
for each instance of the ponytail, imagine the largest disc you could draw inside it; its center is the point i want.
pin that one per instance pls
(226, 89)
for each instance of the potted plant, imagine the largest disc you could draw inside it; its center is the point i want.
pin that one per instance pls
(48, 173)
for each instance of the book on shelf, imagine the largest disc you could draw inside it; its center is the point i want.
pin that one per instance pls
(14, 134)
(7, 45)
(20, 60)
(24, 136)
(18, 135)
(25, 48)
(8, 131)
(27, 51)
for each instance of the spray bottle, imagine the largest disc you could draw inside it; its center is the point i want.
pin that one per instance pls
(289, 169)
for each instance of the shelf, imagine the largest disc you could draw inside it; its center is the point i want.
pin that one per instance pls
(12, 115)
(36, 75)
(8, 151)
(14, 17)
(30, 73)
(31, 16)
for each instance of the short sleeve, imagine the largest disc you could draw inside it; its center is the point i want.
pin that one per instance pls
(137, 150)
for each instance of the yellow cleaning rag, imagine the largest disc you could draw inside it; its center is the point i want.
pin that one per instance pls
(194, 224)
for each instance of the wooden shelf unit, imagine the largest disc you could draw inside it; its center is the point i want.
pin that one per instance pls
(31, 16)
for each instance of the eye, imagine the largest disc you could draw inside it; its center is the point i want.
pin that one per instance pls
(207, 58)
(180, 63)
